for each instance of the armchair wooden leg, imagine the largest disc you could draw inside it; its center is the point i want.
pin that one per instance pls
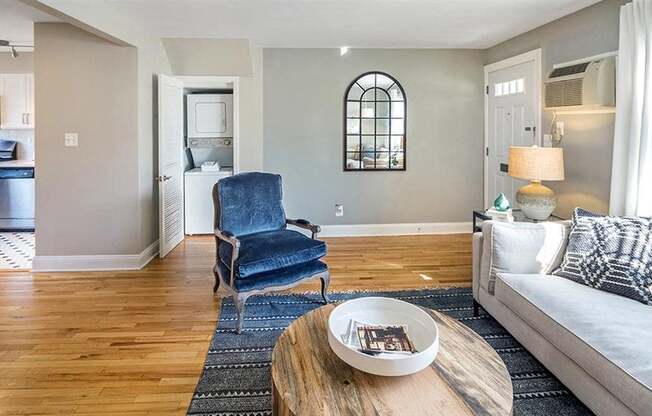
(239, 300)
(217, 281)
(325, 280)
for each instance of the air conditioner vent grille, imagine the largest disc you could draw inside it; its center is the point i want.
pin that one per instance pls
(569, 70)
(564, 93)
(573, 92)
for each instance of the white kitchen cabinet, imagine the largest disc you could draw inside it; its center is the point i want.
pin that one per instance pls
(17, 101)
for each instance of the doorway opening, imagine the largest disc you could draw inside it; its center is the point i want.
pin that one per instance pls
(512, 118)
(17, 142)
(198, 134)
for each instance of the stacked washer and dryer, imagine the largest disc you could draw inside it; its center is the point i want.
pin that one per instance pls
(209, 142)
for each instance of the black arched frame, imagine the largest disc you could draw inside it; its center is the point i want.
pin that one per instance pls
(364, 149)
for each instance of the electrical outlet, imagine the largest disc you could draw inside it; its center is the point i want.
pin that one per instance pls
(71, 140)
(339, 210)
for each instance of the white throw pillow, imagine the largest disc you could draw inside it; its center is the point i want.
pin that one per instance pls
(523, 248)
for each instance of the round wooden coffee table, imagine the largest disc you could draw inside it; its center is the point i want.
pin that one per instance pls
(467, 377)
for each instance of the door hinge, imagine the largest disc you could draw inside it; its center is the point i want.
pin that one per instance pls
(486, 151)
(486, 89)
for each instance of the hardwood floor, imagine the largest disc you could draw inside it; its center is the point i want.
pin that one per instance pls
(133, 343)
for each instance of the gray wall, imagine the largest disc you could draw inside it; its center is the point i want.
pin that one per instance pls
(302, 113)
(87, 197)
(588, 140)
(24, 63)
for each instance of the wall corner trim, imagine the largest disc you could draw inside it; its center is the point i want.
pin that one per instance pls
(95, 262)
(369, 230)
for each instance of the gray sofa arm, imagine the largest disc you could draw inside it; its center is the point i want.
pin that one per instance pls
(519, 247)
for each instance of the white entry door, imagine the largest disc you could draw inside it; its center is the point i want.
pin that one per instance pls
(170, 163)
(512, 118)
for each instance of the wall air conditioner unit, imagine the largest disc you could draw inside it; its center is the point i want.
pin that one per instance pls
(588, 86)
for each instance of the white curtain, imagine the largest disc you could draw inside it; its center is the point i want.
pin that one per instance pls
(631, 181)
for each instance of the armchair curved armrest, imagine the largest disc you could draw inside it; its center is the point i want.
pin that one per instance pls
(230, 238)
(306, 225)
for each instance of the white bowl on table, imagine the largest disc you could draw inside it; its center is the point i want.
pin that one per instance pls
(421, 329)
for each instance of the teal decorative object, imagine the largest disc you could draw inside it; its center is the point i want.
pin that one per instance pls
(501, 203)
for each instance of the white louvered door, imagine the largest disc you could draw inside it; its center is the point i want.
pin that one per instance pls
(170, 163)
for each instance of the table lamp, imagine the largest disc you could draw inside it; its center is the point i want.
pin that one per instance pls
(536, 164)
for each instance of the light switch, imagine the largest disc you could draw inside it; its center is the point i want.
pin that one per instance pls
(71, 139)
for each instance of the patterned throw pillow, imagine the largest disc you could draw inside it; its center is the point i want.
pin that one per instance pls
(613, 254)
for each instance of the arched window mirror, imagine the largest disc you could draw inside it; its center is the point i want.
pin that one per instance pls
(375, 114)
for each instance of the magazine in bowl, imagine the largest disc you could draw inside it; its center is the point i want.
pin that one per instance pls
(383, 336)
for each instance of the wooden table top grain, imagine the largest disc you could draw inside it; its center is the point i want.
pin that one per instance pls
(466, 378)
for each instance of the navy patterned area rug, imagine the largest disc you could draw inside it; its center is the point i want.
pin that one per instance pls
(236, 380)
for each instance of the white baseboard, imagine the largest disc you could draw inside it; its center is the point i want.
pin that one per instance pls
(138, 261)
(368, 230)
(95, 263)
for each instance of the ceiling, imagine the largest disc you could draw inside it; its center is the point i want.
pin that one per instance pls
(355, 23)
(17, 21)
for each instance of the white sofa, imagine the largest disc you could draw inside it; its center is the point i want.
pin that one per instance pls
(597, 343)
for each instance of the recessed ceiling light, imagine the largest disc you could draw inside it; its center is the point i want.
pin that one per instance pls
(344, 50)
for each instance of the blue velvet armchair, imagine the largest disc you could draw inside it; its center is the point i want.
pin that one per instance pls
(255, 252)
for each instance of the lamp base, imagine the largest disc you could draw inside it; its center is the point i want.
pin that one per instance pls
(536, 201)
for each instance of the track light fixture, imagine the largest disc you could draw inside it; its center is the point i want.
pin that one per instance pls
(12, 47)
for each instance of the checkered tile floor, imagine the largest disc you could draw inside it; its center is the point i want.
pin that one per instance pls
(16, 250)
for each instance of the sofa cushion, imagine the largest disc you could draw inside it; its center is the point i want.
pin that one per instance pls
(609, 336)
(521, 248)
(613, 254)
(272, 250)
